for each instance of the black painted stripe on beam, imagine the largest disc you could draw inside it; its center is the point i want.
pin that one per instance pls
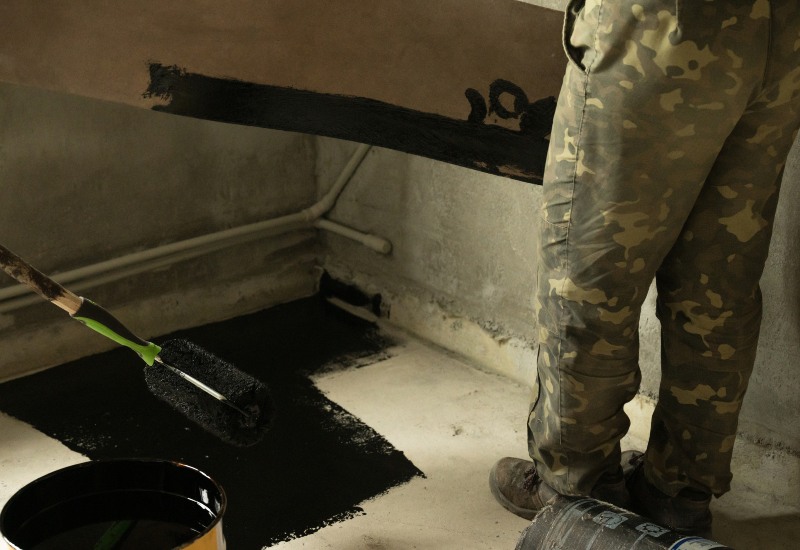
(516, 154)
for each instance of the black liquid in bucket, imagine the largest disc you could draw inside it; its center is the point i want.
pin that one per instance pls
(116, 504)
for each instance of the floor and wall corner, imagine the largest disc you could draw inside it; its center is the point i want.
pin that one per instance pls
(84, 181)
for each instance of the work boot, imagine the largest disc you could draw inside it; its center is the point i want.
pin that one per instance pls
(517, 486)
(686, 513)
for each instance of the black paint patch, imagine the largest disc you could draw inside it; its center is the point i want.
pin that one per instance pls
(520, 155)
(350, 294)
(313, 467)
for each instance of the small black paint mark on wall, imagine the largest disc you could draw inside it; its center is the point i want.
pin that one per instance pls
(535, 119)
(500, 87)
(516, 154)
(477, 103)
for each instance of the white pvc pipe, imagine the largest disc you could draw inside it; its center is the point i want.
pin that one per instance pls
(378, 244)
(324, 205)
(112, 270)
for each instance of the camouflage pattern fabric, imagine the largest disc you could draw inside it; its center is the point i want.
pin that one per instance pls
(672, 129)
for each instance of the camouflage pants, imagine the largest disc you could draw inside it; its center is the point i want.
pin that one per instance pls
(672, 128)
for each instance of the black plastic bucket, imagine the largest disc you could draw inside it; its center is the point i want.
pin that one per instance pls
(119, 505)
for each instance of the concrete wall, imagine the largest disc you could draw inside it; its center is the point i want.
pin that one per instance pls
(460, 269)
(82, 181)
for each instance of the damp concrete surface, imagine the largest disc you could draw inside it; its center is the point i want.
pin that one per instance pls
(422, 426)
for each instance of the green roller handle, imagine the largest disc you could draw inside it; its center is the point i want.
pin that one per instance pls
(85, 311)
(115, 534)
(101, 321)
(96, 318)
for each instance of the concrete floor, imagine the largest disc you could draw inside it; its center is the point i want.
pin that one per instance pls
(452, 421)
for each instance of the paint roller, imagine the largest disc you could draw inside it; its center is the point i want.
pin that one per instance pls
(211, 392)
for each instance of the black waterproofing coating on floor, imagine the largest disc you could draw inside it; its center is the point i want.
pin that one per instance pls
(313, 467)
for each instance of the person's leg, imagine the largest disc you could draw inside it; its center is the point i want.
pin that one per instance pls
(709, 298)
(653, 91)
(710, 309)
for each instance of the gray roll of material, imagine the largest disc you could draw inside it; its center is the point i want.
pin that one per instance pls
(587, 524)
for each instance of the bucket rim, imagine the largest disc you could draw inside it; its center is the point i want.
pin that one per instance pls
(89, 464)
